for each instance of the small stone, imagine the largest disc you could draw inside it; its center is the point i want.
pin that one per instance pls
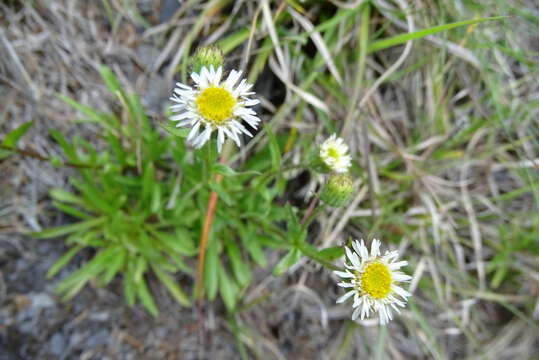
(101, 338)
(57, 344)
(41, 300)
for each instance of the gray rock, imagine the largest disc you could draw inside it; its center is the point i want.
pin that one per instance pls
(101, 338)
(57, 344)
(41, 300)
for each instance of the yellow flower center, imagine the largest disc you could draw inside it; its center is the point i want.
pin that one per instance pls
(333, 153)
(215, 104)
(376, 280)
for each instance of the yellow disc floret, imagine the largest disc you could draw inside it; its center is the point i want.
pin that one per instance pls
(376, 280)
(333, 153)
(215, 104)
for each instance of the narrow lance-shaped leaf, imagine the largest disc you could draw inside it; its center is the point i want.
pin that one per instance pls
(146, 298)
(67, 229)
(10, 140)
(286, 262)
(172, 287)
(210, 271)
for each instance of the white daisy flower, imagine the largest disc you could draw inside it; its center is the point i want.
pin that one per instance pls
(334, 154)
(214, 105)
(372, 280)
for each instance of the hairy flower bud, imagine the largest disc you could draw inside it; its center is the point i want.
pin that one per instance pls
(207, 56)
(338, 190)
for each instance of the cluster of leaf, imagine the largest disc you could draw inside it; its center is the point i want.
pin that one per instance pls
(139, 203)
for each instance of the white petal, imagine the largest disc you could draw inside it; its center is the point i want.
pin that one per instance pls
(201, 140)
(352, 257)
(345, 297)
(219, 74)
(344, 274)
(357, 247)
(232, 79)
(194, 131)
(398, 276)
(251, 102)
(177, 107)
(375, 248)
(345, 285)
(184, 123)
(220, 139)
(397, 265)
(363, 251)
(241, 128)
(400, 291)
(181, 116)
(204, 78)
(231, 134)
(355, 314)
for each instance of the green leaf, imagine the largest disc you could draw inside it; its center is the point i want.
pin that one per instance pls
(286, 262)
(72, 211)
(5, 153)
(240, 269)
(233, 40)
(223, 170)
(141, 265)
(275, 151)
(129, 285)
(402, 38)
(220, 190)
(10, 140)
(228, 171)
(313, 253)
(68, 149)
(63, 260)
(179, 242)
(148, 181)
(110, 79)
(171, 128)
(210, 270)
(227, 289)
(65, 196)
(146, 298)
(331, 253)
(107, 122)
(71, 285)
(156, 198)
(250, 243)
(172, 287)
(117, 262)
(67, 229)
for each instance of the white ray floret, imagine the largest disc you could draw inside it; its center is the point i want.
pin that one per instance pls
(334, 154)
(372, 279)
(214, 104)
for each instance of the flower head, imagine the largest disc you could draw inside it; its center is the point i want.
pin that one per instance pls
(372, 279)
(334, 154)
(214, 105)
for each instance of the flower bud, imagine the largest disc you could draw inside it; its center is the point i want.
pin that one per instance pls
(338, 190)
(207, 56)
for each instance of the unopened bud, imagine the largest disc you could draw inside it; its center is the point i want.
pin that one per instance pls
(207, 56)
(338, 190)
